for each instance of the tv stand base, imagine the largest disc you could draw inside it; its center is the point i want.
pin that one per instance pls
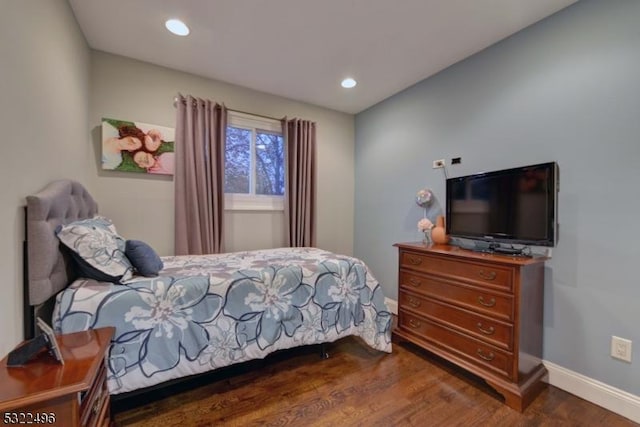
(508, 251)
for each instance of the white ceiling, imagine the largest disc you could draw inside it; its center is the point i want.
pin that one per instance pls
(302, 49)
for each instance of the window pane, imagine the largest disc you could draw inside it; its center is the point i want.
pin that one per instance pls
(237, 174)
(269, 164)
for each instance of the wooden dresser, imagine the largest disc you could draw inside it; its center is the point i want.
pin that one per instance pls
(44, 392)
(482, 312)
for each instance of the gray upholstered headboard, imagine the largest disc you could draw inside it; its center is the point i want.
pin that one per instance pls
(48, 269)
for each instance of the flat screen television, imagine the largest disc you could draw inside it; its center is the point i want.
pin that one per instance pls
(517, 205)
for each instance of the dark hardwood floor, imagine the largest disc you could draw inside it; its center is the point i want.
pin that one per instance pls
(355, 386)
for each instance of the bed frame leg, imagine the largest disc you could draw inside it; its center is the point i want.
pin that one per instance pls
(323, 351)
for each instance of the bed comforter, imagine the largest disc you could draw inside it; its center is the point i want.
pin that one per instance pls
(206, 312)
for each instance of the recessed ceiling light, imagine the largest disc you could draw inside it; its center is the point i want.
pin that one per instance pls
(177, 27)
(348, 83)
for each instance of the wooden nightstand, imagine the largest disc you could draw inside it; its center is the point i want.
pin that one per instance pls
(47, 393)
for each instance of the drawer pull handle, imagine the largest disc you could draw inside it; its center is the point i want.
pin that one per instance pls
(414, 323)
(414, 302)
(415, 282)
(487, 276)
(415, 260)
(490, 303)
(488, 357)
(487, 331)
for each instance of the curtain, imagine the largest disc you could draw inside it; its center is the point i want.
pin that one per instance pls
(199, 176)
(300, 188)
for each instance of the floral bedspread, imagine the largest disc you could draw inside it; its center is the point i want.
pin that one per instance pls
(206, 312)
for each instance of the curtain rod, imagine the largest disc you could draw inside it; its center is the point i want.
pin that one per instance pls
(175, 103)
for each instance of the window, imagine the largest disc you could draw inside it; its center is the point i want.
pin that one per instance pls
(254, 163)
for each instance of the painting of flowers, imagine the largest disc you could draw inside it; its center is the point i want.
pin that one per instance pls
(137, 147)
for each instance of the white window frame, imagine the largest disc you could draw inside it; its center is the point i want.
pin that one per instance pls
(253, 202)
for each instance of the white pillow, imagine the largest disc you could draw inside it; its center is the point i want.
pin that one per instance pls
(97, 249)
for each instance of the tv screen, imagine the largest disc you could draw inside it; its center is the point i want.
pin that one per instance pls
(508, 206)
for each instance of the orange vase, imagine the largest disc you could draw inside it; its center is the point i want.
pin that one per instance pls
(439, 232)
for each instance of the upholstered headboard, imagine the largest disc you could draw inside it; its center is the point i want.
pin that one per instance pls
(48, 270)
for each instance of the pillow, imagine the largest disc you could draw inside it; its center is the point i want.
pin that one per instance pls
(143, 258)
(97, 250)
(97, 221)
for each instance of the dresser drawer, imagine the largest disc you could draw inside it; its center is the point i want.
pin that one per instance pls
(484, 328)
(486, 274)
(477, 352)
(479, 300)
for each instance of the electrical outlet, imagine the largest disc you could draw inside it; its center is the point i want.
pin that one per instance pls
(621, 348)
(437, 164)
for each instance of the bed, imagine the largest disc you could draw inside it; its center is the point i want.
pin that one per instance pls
(200, 313)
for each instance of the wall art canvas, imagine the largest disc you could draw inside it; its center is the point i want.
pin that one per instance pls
(129, 146)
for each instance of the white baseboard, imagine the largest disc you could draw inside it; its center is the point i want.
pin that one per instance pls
(392, 304)
(594, 391)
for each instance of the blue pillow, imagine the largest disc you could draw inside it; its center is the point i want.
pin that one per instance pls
(143, 258)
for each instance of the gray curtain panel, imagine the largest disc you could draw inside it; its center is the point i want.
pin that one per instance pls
(199, 176)
(300, 190)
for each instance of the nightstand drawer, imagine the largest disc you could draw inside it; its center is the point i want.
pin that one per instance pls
(479, 353)
(485, 274)
(486, 329)
(475, 299)
(94, 400)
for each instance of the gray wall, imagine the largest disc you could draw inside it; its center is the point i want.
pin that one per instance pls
(44, 104)
(142, 206)
(567, 90)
